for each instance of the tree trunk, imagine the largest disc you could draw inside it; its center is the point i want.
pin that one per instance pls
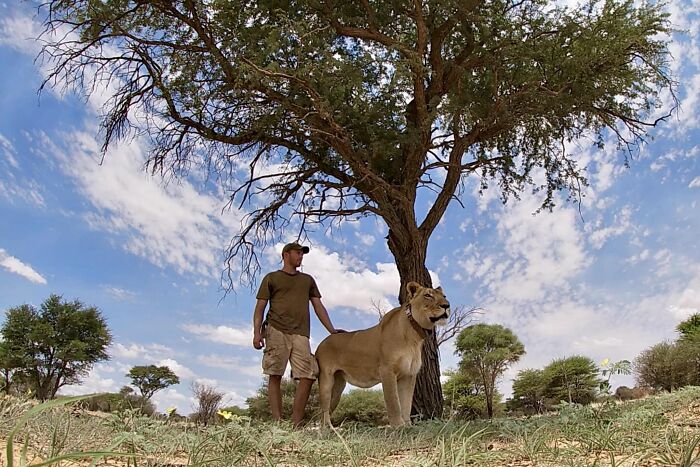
(409, 253)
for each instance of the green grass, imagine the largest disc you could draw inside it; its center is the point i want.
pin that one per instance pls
(663, 430)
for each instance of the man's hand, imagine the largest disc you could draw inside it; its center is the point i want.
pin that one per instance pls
(258, 341)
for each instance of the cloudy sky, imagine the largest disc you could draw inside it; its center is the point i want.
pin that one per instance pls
(606, 280)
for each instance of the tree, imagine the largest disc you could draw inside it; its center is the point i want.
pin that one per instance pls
(487, 350)
(654, 367)
(209, 401)
(529, 391)
(464, 396)
(687, 359)
(670, 365)
(9, 366)
(572, 379)
(55, 345)
(690, 326)
(322, 110)
(151, 379)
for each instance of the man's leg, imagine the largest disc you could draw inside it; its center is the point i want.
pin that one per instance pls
(301, 397)
(274, 395)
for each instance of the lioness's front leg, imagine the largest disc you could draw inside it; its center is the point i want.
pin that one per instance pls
(391, 398)
(325, 388)
(406, 385)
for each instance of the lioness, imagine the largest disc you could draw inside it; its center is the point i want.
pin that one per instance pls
(389, 352)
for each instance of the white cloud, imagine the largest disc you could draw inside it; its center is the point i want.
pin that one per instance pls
(20, 33)
(119, 293)
(95, 382)
(171, 397)
(695, 183)
(169, 225)
(621, 225)
(178, 368)
(539, 252)
(221, 334)
(148, 352)
(8, 150)
(16, 266)
(231, 364)
(348, 283)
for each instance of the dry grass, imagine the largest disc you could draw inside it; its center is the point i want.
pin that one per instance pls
(662, 430)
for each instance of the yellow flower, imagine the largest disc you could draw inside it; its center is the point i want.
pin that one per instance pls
(226, 414)
(170, 410)
(605, 362)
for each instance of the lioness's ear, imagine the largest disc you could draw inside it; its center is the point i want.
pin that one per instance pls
(439, 289)
(412, 288)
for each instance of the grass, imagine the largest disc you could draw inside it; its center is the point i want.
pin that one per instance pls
(663, 430)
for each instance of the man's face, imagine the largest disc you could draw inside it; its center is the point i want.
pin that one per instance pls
(294, 257)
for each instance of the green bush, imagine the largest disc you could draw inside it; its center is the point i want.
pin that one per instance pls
(115, 402)
(361, 406)
(465, 398)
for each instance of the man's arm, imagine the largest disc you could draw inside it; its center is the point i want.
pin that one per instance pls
(258, 340)
(322, 314)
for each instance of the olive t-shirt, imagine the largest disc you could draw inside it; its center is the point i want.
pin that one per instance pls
(289, 296)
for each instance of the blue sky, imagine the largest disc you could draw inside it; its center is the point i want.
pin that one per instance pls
(606, 282)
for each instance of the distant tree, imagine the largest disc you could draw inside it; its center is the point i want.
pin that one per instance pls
(208, 402)
(572, 379)
(460, 318)
(487, 350)
(464, 396)
(9, 366)
(115, 402)
(690, 326)
(323, 111)
(687, 360)
(55, 345)
(656, 367)
(151, 379)
(530, 391)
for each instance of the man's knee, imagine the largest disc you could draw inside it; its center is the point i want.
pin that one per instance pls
(275, 379)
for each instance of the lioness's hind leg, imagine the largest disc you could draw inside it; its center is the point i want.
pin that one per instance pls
(338, 386)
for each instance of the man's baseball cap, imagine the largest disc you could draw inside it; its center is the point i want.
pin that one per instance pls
(294, 246)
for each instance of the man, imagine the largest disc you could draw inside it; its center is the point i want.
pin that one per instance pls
(285, 332)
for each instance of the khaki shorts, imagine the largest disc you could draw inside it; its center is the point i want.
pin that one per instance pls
(281, 347)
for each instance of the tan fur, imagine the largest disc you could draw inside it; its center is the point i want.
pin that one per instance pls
(388, 353)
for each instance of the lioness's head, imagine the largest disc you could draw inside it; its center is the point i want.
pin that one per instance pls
(429, 307)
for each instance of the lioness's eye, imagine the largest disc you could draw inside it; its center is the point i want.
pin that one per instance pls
(428, 295)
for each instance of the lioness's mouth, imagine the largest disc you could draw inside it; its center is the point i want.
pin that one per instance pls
(442, 316)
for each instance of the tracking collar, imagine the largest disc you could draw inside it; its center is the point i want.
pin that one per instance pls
(422, 332)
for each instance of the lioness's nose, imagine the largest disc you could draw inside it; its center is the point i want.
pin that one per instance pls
(445, 306)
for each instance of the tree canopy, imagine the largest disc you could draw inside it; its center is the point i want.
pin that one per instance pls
(690, 327)
(313, 111)
(572, 379)
(54, 345)
(487, 350)
(151, 379)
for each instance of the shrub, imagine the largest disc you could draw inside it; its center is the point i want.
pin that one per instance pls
(116, 402)
(362, 406)
(208, 402)
(259, 407)
(624, 393)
